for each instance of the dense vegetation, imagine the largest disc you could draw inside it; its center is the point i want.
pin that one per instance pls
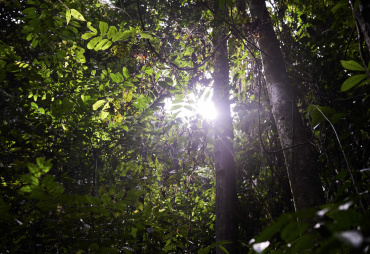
(91, 160)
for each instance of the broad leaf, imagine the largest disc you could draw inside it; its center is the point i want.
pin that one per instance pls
(125, 72)
(34, 169)
(98, 104)
(87, 36)
(111, 32)
(68, 15)
(102, 44)
(77, 15)
(121, 35)
(352, 81)
(146, 35)
(103, 27)
(92, 28)
(94, 42)
(352, 65)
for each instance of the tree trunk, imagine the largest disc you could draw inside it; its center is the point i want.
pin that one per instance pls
(303, 177)
(362, 17)
(226, 198)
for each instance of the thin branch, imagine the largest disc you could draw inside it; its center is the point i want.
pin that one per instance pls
(63, 4)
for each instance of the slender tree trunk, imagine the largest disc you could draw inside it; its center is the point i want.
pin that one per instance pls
(303, 177)
(362, 17)
(226, 198)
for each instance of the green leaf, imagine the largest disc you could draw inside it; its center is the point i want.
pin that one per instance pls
(352, 81)
(113, 77)
(221, 4)
(68, 15)
(45, 166)
(317, 116)
(29, 10)
(34, 169)
(146, 35)
(229, 3)
(223, 249)
(352, 65)
(77, 15)
(103, 27)
(176, 107)
(303, 243)
(132, 30)
(339, 6)
(107, 45)
(164, 84)
(29, 37)
(149, 71)
(34, 42)
(106, 199)
(93, 42)
(92, 28)
(112, 31)
(133, 232)
(30, 179)
(87, 36)
(127, 96)
(274, 228)
(94, 247)
(103, 115)
(26, 188)
(119, 77)
(125, 72)
(336, 117)
(292, 231)
(102, 44)
(98, 104)
(121, 35)
(48, 182)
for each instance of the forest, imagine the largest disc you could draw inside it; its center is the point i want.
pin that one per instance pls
(97, 154)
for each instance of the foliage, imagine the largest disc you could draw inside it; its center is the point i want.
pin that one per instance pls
(335, 228)
(92, 162)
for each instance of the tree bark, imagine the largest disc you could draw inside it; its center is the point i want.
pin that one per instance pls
(362, 17)
(226, 197)
(303, 177)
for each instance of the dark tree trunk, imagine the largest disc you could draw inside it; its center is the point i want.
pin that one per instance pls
(303, 177)
(362, 17)
(226, 198)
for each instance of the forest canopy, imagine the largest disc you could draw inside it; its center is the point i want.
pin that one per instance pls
(94, 160)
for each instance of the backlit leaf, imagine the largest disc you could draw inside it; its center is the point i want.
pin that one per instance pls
(146, 35)
(352, 81)
(98, 104)
(125, 72)
(87, 36)
(101, 44)
(352, 65)
(92, 28)
(111, 32)
(94, 42)
(103, 27)
(77, 15)
(68, 15)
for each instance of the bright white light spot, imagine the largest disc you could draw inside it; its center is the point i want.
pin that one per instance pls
(345, 206)
(322, 212)
(207, 109)
(192, 105)
(259, 247)
(353, 238)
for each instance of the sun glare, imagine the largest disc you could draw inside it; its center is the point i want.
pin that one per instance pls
(207, 109)
(193, 105)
